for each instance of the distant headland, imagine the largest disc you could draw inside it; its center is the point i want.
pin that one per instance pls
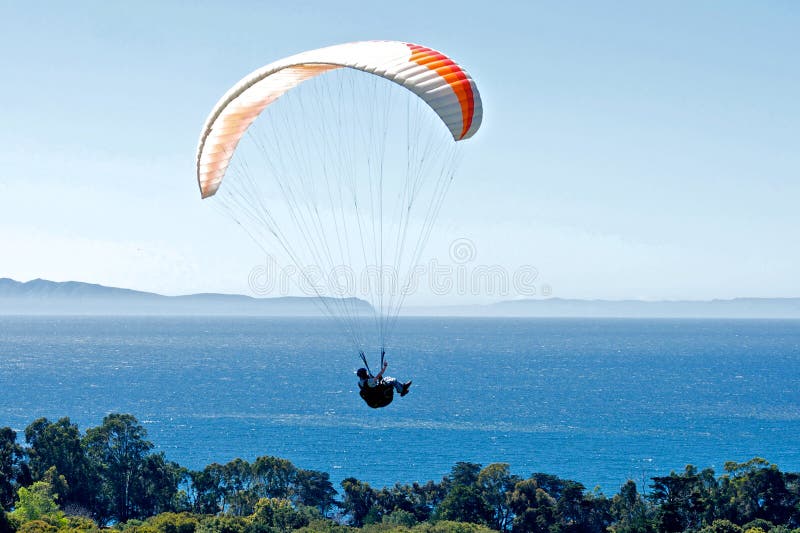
(43, 297)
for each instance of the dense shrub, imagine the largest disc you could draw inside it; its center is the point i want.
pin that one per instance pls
(37, 526)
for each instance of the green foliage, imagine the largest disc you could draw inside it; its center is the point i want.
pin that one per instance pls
(465, 503)
(680, 501)
(5, 524)
(78, 524)
(174, 523)
(209, 492)
(273, 477)
(37, 526)
(125, 526)
(760, 491)
(154, 489)
(58, 445)
(236, 486)
(465, 500)
(137, 526)
(314, 489)
(418, 500)
(464, 473)
(534, 509)
(237, 478)
(759, 523)
(359, 499)
(118, 449)
(784, 529)
(497, 484)
(278, 515)
(38, 503)
(325, 526)
(445, 526)
(374, 515)
(629, 511)
(380, 527)
(12, 470)
(128, 481)
(13, 522)
(222, 524)
(112, 475)
(721, 526)
(56, 483)
(399, 517)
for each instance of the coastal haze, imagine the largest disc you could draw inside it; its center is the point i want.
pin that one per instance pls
(43, 297)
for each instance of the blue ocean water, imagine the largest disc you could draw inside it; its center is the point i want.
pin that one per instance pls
(598, 401)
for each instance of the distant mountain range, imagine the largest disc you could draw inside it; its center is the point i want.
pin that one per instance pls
(42, 297)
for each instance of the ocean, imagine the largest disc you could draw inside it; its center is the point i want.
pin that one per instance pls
(594, 400)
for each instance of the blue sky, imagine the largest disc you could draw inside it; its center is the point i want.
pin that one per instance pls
(628, 150)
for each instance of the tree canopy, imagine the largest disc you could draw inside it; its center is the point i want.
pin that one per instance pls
(62, 480)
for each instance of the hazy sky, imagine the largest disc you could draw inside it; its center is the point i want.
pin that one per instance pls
(628, 149)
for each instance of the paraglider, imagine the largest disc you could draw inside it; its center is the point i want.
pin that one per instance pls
(339, 159)
(378, 390)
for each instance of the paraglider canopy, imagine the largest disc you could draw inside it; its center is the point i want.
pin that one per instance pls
(341, 157)
(429, 74)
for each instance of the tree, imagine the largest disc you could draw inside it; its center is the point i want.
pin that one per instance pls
(410, 499)
(325, 526)
(173, 522)
(359, 499)
(465, 503)
(430, 495)
(222, 524)
(464, 473)
(497, 484)
(11, 467)
(277, 515)
(680, 502)
(722, 526)
(58, 444)
(38, 502)
(37, 526)
(208, 492)
(758, 523)
(314, 489)
(118, 449)
(5, 524)
(81, 524)
(546, 503)
(552, 485)
(154, 489)
(399, 517)
(760, 491)
(792, 480)
(581, 512)
(237, 476)
(709, 494)
(534, 509)
(464, 500)
(273, 477)
(446, 526)
(630, 511)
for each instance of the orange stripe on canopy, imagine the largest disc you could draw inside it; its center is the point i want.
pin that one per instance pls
(455, 77)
